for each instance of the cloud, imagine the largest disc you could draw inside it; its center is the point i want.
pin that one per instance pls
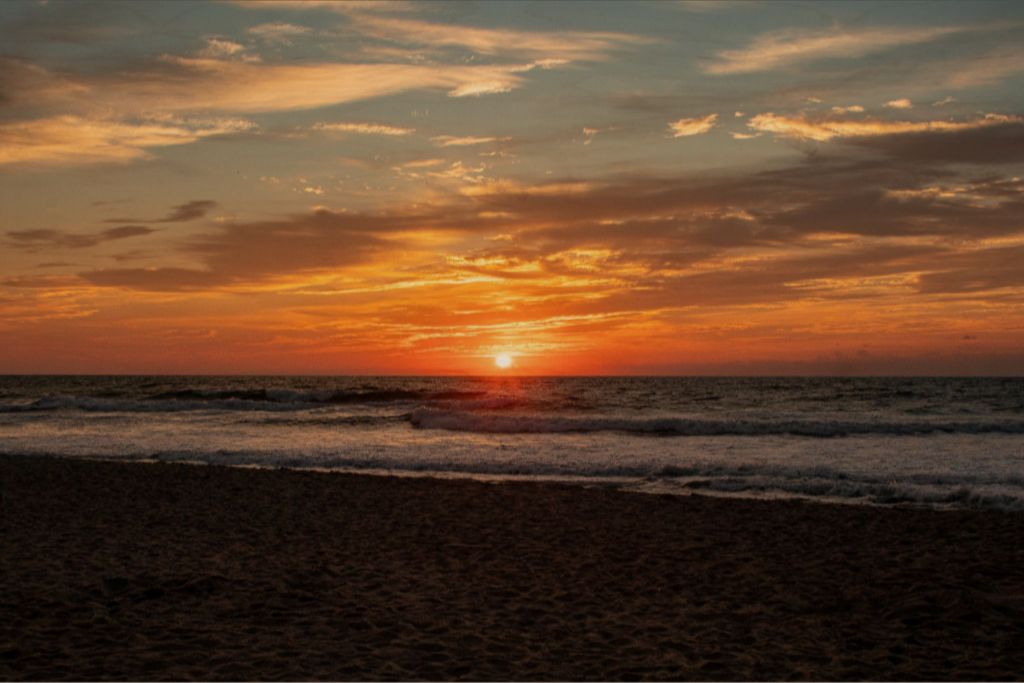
(852, 109)
(979, 270)
(278, 31)
(902, 103)
(173, 85)
(783, 48)
(696, 126)
(477, 88)
(221, 47)
(35, 239)
(562, 46)
(705, 5)
(811, 246)
(1001, 143)
(189, 211)
(780, 207)
(461, 172)
(191, 83)
(30, 85)
(340, 6)
(802, 127)
(984, 69)
(364, 128)
(247, 252)
(119, 117)
(74, 140)
(463, 141)
(155, 279)
(513, 188)
(420, 163)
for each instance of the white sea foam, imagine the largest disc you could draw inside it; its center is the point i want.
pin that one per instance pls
(460, 420)
(937, 442)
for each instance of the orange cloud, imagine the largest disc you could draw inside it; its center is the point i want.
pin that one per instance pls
(119, 117)
(696, 126)
(214, 84)
(802, 127)
(74, 140)
(364, 128)
(586, 268)
(464, 140)
(901, 103)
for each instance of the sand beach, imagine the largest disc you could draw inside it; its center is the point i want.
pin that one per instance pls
(160, 571)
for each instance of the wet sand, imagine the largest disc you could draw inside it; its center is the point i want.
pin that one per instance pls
(120, 571)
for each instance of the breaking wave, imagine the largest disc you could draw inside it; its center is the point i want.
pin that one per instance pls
(741, 480)
(464, 421)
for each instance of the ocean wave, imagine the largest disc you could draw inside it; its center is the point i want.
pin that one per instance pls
(249, 399)
(118, 405)
(890, 492)
(741, 480)
(316, 396)
(463, 421)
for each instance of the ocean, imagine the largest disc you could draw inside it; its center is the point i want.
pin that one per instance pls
(936, 442)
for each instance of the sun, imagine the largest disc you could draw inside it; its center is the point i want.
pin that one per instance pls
(503, 360)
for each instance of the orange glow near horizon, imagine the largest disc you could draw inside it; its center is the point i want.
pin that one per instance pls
(442, 195)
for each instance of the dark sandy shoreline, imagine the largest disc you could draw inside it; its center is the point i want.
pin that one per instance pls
(122, 571)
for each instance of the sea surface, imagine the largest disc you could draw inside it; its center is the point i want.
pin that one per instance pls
(939, 442)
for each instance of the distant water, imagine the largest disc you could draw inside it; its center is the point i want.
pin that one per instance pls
(935, 441)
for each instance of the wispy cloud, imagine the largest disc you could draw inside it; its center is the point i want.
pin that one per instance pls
(482, 87)
(182, 213)
(560, 45)
(34, 239)
(189, 211)
(340, 6)
(242, 252)
(696, 126)
(205, 84)
(120, 117)
(985, 69)
(420, 163)
(802, 127)
(464, 140)
(278, 31)
(706, 5)
(364, 128)
(75, 140)
(783, 48)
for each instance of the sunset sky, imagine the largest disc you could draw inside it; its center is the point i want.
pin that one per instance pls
(592, 188)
